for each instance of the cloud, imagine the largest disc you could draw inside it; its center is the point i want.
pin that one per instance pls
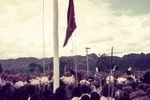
(101, 24)
(130, 7)
(123, 30)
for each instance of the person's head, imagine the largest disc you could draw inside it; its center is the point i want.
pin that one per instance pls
(95, 96)
(85, 89)
(60, 93)
(123, 95)
(24, 92)
(134, 85)
(96, 84)
(47, 93)
(129, 81)
(146, 77)
(36, 97)
(76, 92)
(85, 97)
(7, 91)
(31, 89)
(148, 92)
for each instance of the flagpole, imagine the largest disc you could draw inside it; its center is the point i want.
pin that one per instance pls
(110, 74)
(44, 62)
(87, 59)
(111, 84)
(55, 46)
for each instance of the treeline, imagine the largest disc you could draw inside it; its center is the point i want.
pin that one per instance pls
(103, 62)
(136, 61)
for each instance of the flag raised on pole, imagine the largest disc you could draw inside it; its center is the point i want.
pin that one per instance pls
(71, 24)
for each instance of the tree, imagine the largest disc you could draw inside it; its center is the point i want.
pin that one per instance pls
(103, 63)
(1, 69)
(35, 68)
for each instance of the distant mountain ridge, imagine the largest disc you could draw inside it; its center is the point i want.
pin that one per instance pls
(103, 62)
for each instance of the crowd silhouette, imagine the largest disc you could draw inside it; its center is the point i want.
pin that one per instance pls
(96, 87)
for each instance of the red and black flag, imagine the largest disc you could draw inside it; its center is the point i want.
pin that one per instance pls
(71, 24)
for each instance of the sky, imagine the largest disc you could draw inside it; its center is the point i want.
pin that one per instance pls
(101, 24)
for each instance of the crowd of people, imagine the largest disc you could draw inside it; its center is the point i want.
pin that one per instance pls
(96, 87)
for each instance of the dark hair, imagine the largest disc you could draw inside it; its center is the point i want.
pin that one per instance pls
(95, 96)
(97, 85)
(76, 92)
(85, 89)
(31, 89)
(134, 85)
(7, 92)
(72, 72)
(130, 80)
(36, 97)
(85, 97)
(60, 94)
(47, 93)
(129, 72)
(1, 69)
(146, 77)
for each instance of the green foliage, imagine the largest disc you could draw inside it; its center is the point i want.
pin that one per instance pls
(1, 69)
(35, 68)
(103, 62)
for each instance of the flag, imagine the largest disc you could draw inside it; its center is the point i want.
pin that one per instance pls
(129, 71)
(71, 24)
(115, 68)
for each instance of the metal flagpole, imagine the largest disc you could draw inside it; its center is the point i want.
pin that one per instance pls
(55, 46)
(110, 74)
(44, 62)
(87, 69)
(74, 59)
(111, 59)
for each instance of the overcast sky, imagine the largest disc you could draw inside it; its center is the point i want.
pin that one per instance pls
(101, 24)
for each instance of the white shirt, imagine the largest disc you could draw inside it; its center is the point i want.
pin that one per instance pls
(106, 98)
(75, 98)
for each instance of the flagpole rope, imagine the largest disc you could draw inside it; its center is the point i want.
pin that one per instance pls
(76, 69)
(43, 20)
(75, 46)
(109, 76)
(74, 59)
(74, 51)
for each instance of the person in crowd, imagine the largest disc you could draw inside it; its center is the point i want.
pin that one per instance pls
(90, 89)
(137, 93)
(85, 97)
(106, 93)
(76, 93)
(85, 89)
(60, 94)
(7, 92)
(122, 95)
(148, 92)
(95, 96)
(146, 79)
(46, 94)
(96, 87)
(36, 97)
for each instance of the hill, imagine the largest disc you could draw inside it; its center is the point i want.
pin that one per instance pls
(103, 62)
